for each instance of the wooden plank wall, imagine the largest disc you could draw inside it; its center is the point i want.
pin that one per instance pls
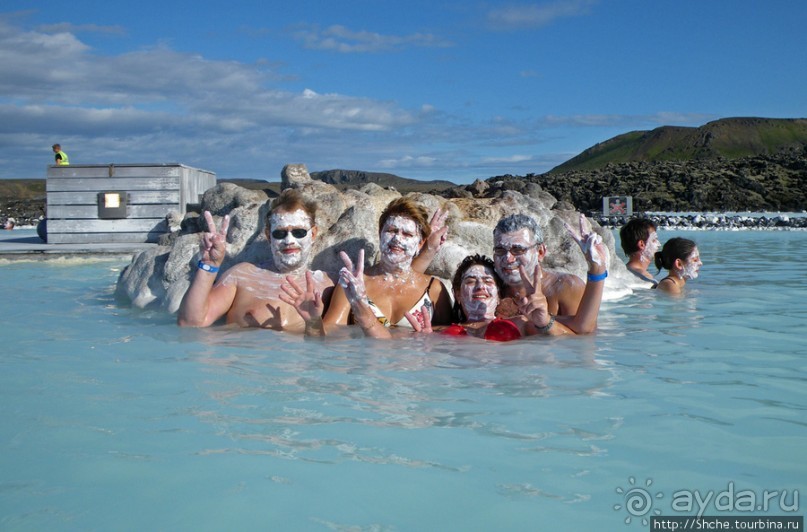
(154, 191)
(194, 182)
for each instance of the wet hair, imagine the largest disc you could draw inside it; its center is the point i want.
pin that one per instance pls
(516, 222)
(456, 282)
(407, 208)
(57, 146)
(674, 248)
(291, 200)
(634, 232)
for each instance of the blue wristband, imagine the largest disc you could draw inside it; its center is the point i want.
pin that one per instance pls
(207, 267)
(598, 277)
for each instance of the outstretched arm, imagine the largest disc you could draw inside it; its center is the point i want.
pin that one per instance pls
(436, 239)
(596, 253)
(351, 279)
(339, 307)
(202, 304)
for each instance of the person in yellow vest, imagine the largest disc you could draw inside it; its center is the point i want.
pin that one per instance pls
(61, 157)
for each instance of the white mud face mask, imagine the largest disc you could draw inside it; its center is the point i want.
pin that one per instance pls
(652, 245)
(690, 269)
(290, 252)
(507, 265)
(399, 242)
(479, 295)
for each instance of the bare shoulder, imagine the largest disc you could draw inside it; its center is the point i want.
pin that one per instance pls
(669, 286)
(437, 284)
(243, 267)
(241, 271)
(250, 278)
(560, 282)
(563, 292)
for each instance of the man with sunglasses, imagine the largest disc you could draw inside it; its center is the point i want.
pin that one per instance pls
(248, 294)
(517, 240)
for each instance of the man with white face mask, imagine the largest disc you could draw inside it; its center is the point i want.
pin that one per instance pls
(640, 243)
(517, 240)
(250, 295)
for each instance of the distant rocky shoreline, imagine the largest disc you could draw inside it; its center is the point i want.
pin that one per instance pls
(24, 212)
(28, 213)
(711, 221)
(773, 183)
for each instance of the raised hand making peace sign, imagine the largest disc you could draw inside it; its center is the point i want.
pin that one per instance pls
(213, 246)
(421, 319)
(352, 278)
(594, 249)
(534, 305)
(439, 230)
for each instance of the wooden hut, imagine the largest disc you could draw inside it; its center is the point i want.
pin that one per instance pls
(109, 203)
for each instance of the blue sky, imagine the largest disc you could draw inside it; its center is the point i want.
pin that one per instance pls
(426, 90)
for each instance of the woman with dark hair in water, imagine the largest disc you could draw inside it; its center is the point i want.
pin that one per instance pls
(681, 258)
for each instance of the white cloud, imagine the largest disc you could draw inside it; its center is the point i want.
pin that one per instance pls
(632, 121)
(526, 16)
(238, 119)
(66, 27)
(507, 160)
(409, 161)
(161, 104)
(58, 70)
(340, 39)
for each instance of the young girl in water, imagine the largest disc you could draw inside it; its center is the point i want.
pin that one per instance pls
(681, 258)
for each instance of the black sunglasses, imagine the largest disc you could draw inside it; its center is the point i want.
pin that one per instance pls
(516, 251)
(280, 234)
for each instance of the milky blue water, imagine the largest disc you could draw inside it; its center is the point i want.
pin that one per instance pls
(115, 419)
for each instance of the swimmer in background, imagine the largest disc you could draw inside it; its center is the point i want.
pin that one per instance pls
(10, 223)
(639, 241)
(249, 295)
(681, 258)
(379, 299)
